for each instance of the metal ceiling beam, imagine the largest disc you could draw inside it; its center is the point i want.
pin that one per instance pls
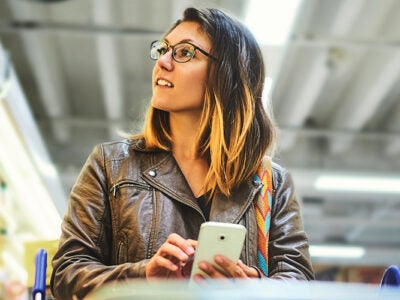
(328, 221)
(393, 146)
(363, 102)
(299, 104)
(348, 42)
(311, 133)
(45, 63)
(377, 217)
(28, 24)
(110, 74)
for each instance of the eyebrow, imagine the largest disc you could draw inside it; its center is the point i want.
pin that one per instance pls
(182, 41)
(185, 41)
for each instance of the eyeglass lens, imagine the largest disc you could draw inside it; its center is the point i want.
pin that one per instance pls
(181, 52)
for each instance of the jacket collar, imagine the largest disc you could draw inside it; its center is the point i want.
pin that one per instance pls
(165, 175)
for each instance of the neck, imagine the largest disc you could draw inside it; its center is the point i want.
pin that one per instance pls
(184, 130)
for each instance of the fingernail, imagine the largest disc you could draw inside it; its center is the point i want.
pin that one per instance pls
(219, 259)
(190, 250)
(203, 266)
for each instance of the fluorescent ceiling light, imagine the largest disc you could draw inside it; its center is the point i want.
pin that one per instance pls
(266, 94)
(348, 183)
(16, 161)
(267, 86)
(271, 21)
(333, 251)
(20, 172)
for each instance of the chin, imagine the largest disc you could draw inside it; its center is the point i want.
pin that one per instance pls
(156, 105)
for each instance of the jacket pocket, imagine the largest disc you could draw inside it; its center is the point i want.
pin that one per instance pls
(132, 217)
(126, 184)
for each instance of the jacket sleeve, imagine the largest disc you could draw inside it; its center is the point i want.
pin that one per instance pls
(83, 260)
(289, 256)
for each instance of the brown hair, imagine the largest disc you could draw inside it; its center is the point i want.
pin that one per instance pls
(235, 130)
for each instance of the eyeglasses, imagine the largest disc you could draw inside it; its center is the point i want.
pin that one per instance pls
(181, 52)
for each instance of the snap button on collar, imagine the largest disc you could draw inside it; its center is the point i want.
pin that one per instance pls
(152, 173)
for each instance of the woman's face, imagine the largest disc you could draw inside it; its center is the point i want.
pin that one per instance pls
(179, 87)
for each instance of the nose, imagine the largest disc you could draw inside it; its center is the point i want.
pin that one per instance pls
(166, 61)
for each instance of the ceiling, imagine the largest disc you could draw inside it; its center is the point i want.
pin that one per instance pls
(84, 68)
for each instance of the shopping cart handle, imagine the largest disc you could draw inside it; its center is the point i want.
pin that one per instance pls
(39, 287)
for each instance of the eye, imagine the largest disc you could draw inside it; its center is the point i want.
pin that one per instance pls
(158, 48)
(184, 51)
(162, 49)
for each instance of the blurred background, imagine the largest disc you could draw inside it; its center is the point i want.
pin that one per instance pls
(75, 73)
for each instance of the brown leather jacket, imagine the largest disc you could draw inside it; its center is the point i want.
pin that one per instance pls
(126, 202)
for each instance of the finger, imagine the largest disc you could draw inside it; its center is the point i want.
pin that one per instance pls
(193, 243)
(187, 267)
(211, 271)
(231, 268)
(173, 252)
(162, 262)
(249, 271)
(198, 277)
(184, 244)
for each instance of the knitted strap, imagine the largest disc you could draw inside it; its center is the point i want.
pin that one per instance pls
(262, 207)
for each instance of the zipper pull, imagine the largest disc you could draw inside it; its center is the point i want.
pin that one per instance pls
(114, 190)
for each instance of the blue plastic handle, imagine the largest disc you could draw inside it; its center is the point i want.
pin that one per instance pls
(39, 287)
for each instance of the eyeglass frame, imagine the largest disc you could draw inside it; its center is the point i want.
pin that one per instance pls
(180, 43)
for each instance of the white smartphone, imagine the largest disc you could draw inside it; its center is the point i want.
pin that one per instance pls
(218, 238)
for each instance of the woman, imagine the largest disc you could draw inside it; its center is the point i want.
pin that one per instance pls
(137, 206)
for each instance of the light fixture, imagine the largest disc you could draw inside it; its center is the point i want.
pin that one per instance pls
(266, 94)
(337, 251)
(358, 183)
(271, 21)
(21, 173)
(22, 159)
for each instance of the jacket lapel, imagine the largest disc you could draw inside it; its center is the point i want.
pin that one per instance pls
(166, 176)
(231, 209)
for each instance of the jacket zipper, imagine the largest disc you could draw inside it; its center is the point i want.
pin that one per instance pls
(153, 227)
(127, 183)
(120, 245)
(114, 190)
(247, 249)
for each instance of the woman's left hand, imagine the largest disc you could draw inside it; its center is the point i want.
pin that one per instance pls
(230, 269)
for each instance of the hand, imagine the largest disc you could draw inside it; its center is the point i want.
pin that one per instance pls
(171, 260)
(229, 268)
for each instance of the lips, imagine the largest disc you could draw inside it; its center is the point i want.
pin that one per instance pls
(164, 82)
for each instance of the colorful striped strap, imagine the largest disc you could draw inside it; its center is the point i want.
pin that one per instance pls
(262, 207)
